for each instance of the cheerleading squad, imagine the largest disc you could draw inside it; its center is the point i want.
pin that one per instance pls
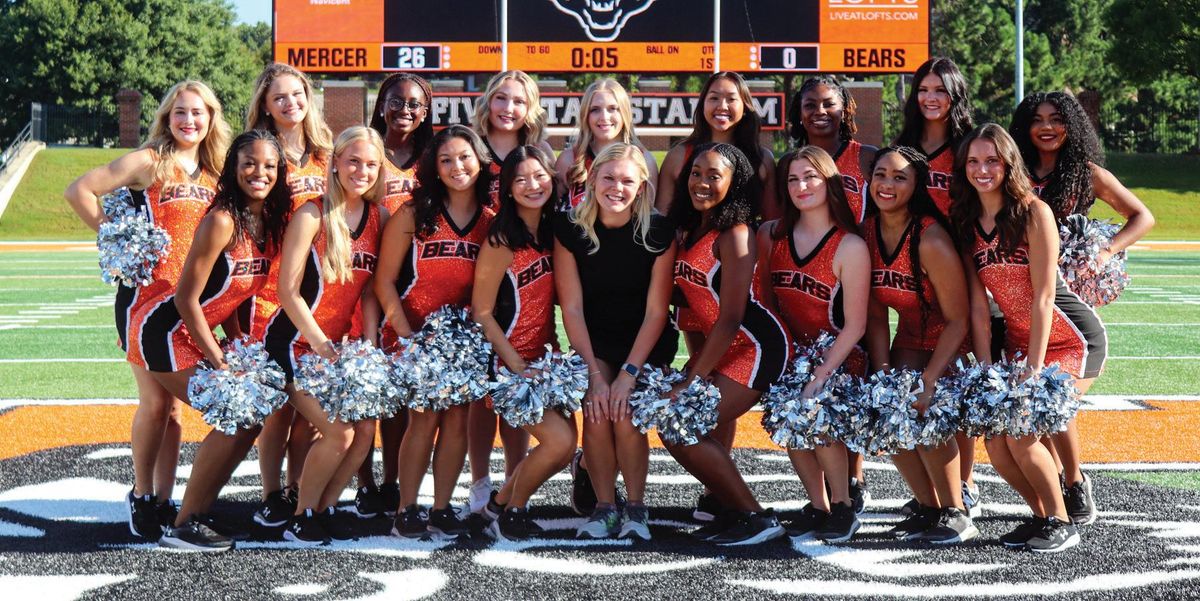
(780, 276)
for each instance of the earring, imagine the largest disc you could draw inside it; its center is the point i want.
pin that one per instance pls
(335, 169)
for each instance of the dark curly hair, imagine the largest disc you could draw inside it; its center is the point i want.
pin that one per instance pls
(430, 196)
(847, 127)
(424, 133)
(740, 204)
(230, 198)
(1017, 191)
(960, 120)
(507, 228)
(1070, 187)
(919, 207)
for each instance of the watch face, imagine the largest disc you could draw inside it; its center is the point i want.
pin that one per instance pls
(630, 369)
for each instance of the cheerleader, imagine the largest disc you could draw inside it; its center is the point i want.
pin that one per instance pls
(509, 114)
(417, 276)
(916, 271)
(746, 347)
(724, 113)
(401, 118)
(1010, 241)
(937, 115)
(822, 114)
(173, 178)
(329, 255)
(513, 299)
(281, 104)
(613, 262)
(1063, 155)
(228, 262)
(606, 118)
(814, 270)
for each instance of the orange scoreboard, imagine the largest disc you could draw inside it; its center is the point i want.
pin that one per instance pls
(832, 36)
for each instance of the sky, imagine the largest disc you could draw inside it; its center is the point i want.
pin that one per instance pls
(253, 11)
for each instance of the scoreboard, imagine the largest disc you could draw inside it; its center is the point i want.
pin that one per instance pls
(832, 36)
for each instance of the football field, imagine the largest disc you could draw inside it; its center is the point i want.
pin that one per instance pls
(67, 398)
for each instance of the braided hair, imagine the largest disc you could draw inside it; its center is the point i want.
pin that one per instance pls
(846, 129)
(740, 204)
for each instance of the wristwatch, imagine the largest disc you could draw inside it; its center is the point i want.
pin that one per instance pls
(631, 369)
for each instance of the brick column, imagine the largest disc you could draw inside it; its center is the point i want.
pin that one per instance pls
(868, 95)
(345, 104)
(655, 86)
(129, 118)
(1090, 101)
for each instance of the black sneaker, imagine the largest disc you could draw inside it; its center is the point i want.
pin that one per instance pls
(222, 528)
(841, 525)
(515, 524)
(1055, 535)
(410, 523)
(751, 529)
(445, 524)
(583, 496)
(911, 507)
(391, 498)
(915, 525)
(335, 524)
(492, 510)
(194, 536)
(1081, 507)
(143, 516)
(368, 502)
(953, 526)
(1019, 536)
(167, 513)
(859, 495)
(708, 507)
(307, 529)
(723, 521)
(275, 510)
(809, 520)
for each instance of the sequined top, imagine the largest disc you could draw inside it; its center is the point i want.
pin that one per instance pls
(941, 173)
(525, 302)
(494, 169)
(578, 191)
(400, 184)
(237, 274)
(849, 165)
(806, 289)
(177, 205)
(333, 303)
(1067, 209)
(893, 284)
(307, 181)
(440, 268)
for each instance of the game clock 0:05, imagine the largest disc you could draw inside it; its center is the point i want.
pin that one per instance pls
(594, 58)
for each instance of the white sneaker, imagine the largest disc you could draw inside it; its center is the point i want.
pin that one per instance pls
(481, 491)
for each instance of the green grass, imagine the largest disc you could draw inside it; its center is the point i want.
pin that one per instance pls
(1177, 480)
(1170, 187)
(37, 210)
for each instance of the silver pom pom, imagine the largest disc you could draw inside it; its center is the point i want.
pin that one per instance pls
(944, 415)
(243, 395)
(791, 420)
(1082, 239)
(556, 381)
(984, 393)
(446, 362)
(883, 420)
(691, 415)
(1003, 401)
(357, 385)
(130, 245)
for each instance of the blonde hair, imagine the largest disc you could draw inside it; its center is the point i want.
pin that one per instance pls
(317, 135)
(211, 154)
(336, 262)
(577, 173)
(534, 128)
(585, 214)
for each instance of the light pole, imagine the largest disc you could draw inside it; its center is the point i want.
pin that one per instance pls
(1020, 79)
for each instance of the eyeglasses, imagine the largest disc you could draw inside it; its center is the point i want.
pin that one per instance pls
(396, 104)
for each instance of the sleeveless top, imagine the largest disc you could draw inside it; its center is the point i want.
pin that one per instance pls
(893, 284)
(941, 173)
(525, 302)
(400, 184)
(807, 290)
(849, 165)
(440, 268)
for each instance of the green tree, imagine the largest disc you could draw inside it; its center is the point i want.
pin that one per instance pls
(257, 38)
(81, 53)
(1151, 38)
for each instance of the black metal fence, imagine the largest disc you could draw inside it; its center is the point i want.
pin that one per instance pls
(75, 126)
(1147, 129)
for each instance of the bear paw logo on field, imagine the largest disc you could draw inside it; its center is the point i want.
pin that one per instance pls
(602, 20)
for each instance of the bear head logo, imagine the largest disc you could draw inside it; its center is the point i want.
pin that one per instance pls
(602, 20)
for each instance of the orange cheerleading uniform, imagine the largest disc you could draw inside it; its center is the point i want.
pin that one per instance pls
(332, 303)
(893, 285)
(399, 185)
(849, 165)
(809, 293)
(941, 172)
(494, 171)
(759, 352)
(306, 183)
(1068, 208)
(440, 268)
(164, 343)
(525, 302)
(577, 192)
(177, 205)
(1078, 342)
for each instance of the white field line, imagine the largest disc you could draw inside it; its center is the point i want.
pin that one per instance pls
(60, 360)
